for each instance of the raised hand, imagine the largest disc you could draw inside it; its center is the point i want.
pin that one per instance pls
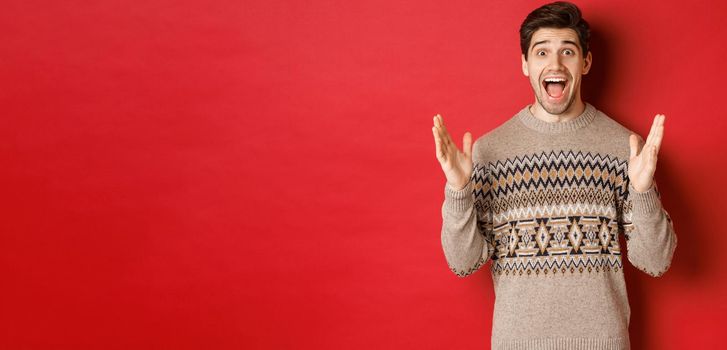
(642, 161)
(457, 165)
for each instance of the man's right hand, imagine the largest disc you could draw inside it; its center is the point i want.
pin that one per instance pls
(457, 165)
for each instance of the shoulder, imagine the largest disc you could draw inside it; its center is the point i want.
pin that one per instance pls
(612, 134)
(609, 125)
(485, 144)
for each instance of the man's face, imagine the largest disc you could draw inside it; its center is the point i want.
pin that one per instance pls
(555, 55)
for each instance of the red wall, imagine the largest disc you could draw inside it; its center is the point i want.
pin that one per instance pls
(261, 175)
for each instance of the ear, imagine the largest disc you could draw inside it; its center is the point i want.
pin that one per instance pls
(587, 63)
(525, 65)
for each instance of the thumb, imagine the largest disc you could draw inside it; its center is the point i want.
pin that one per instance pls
(467, 145)
(634, 145)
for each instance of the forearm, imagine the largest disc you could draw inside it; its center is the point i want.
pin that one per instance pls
(651, 240)
(465, 247)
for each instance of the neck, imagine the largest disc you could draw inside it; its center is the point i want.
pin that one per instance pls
(584, 119)
(571, 113)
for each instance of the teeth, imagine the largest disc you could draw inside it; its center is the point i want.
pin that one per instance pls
(554, 80)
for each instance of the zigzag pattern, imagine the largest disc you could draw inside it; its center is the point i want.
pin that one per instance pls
(549, 202)
(588, 264)
(555, 170)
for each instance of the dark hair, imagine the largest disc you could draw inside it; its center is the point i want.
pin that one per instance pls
(559, 14)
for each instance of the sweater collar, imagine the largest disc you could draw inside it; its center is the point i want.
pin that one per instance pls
(585, 118)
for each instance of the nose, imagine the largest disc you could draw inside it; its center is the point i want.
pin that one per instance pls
(555, 62)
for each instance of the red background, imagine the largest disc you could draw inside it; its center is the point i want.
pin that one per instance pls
(261, 174)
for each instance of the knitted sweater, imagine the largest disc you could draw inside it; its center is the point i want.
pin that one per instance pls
(546, 205)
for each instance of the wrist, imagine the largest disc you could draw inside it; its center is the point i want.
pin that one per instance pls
(459, 199)
(457, 186)
(642, 190)
(644, 202)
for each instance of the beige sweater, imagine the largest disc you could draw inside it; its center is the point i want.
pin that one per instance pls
(546, 205)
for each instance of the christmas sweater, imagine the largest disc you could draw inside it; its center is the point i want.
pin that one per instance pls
(545, 207)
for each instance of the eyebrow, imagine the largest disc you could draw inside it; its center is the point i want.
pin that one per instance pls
(547, 41)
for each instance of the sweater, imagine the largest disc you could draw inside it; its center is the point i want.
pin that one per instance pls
(546, 205)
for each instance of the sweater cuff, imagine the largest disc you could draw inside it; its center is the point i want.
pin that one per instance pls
(459, 200)
(645, 203)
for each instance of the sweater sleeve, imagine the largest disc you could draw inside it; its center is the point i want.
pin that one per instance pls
(649, 231)
(466, 225)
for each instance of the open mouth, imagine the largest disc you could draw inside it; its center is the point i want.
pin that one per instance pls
(555, 87)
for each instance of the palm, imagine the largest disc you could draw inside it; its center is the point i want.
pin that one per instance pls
(642, 159)
(456, 164)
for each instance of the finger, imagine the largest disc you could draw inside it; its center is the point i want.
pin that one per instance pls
(633, 145)
(443, 139)
(436, 122)
(659, 135)
(639, 144)
(445, 133)
(438, 126)
(437, 143)
(444, 148)
(467, 144)
(650, 158)
(652, 131)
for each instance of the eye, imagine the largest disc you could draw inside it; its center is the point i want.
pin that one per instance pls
(569, 52)
(539, 53)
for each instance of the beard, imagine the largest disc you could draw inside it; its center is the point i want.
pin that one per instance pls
(554, 109)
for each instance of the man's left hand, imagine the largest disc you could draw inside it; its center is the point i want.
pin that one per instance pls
(642, 161)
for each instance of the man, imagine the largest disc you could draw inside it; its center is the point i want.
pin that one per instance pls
(545, 197)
